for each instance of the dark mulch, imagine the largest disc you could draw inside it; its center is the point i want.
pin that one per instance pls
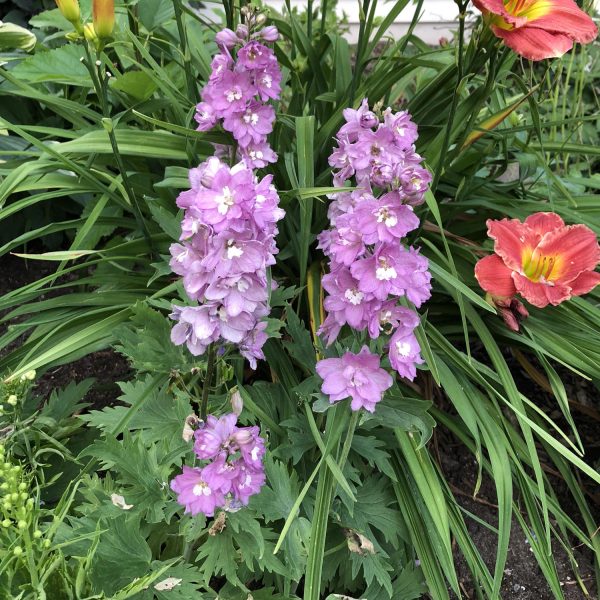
(106, 366)
(523, 579)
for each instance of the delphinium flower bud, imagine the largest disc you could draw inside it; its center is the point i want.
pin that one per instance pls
(234, 470)
(370, 269)
(245, 76)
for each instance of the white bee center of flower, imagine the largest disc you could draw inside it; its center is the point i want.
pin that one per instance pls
(255, 154)
(403, 349)
(386, 217)
(400, 130)
(354, 296)
(254, 453)
(233, 94)
(201, 489)
(267, 81)
(233, 251)
(385, 272)
(182, 256)
(224, 201)
(250, 117)
(242, 285)
(416, 182)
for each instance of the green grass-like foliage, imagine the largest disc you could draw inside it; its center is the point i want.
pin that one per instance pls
(89, 170)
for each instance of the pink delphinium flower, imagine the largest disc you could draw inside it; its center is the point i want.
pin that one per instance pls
(405, 353)
(357, 376)
(195, 493)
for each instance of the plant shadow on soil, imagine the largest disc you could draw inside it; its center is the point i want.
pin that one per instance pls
(523, 578)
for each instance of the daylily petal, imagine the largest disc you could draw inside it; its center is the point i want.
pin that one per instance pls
(533, 43)
(543, 222)
(541, 294)
(511, 240)
(575, 248)
(585, 283)
(493, 6)
(494, 276)
(565, 17)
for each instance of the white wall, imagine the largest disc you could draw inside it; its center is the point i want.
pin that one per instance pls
(439, 17)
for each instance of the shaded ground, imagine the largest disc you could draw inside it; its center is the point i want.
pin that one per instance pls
(523, 579)
(106, 366)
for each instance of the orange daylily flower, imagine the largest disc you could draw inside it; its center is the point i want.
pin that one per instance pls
(542, 259)
(538, 29)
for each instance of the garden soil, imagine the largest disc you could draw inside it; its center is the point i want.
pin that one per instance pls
(523, 579)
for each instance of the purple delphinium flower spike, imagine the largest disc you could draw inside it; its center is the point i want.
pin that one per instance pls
(234, 471)
(369, 267)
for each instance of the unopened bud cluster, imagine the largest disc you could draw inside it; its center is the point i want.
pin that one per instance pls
(13, 392)
(17, 517)
(103, 17)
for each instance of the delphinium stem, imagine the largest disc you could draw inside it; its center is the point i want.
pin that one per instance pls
(210, 368)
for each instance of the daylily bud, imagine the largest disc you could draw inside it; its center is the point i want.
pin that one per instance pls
(90, 33)
(37, 534)
(17, 551)
(69, 10)
(103, 12)
(12, 400)
(511, 310)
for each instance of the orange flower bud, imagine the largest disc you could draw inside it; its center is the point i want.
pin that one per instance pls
(103, 12)
(69, 9)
